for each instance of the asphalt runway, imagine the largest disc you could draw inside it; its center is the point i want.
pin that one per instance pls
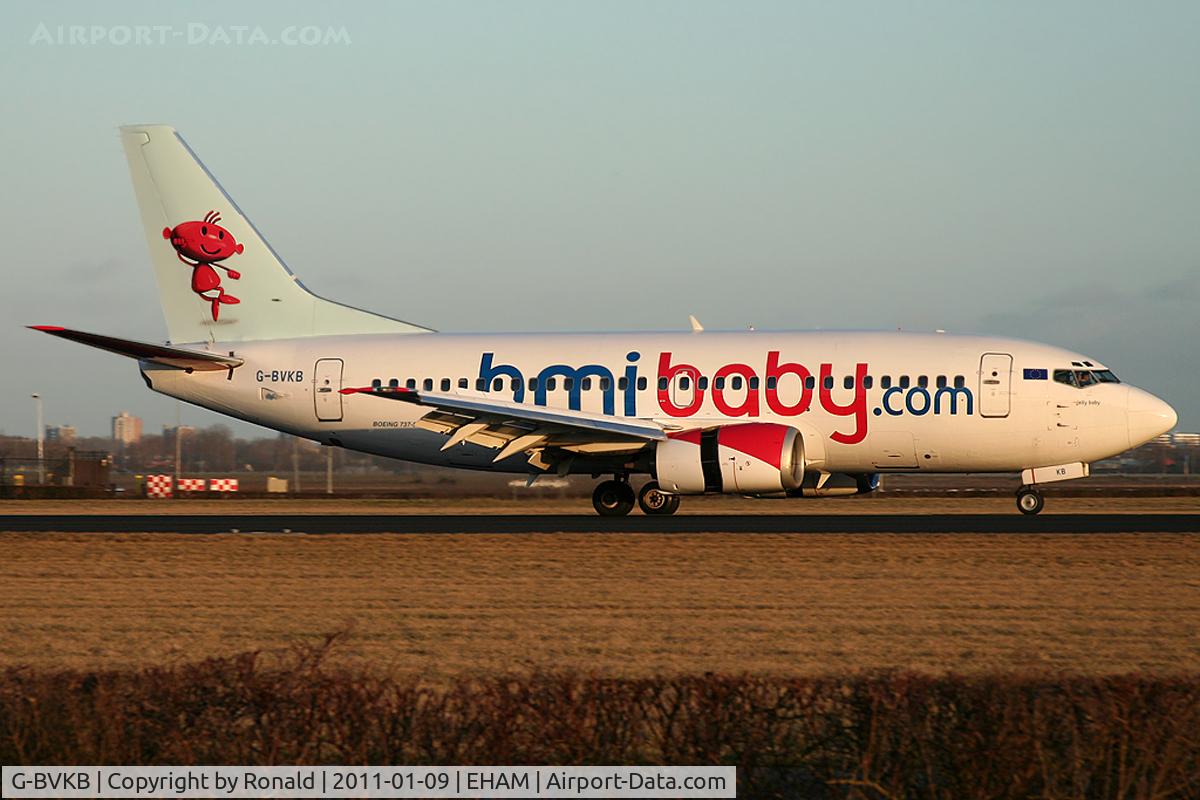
(588, 523)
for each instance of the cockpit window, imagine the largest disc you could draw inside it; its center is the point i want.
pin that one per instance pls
(1083, 378)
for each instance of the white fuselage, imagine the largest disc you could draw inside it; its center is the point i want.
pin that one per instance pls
(898, 401)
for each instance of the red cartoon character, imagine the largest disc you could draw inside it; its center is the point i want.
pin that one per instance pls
(201, 245)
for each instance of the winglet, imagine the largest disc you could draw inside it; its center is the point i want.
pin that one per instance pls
(696, 326)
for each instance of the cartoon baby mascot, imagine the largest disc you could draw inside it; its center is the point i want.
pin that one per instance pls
(201, 245)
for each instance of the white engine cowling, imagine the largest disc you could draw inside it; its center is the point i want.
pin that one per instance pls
(749, 458)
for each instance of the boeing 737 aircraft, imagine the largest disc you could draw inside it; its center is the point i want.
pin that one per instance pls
(803, 414)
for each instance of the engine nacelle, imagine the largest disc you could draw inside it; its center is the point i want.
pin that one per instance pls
(749, 458)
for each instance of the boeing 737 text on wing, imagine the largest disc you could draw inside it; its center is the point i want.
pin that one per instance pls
(789, 414)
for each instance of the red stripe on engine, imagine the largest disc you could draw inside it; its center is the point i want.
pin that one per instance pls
(763, 441)
(692, 436)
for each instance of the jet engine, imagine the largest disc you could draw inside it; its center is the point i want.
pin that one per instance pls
(749, 458)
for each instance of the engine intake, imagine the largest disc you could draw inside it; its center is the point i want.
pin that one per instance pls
(749, 458)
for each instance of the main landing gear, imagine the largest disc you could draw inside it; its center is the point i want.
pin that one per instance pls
(616, 498)
(654, 501)
(1029, 500)
(613, 498)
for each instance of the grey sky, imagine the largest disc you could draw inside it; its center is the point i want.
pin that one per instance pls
(1021, 169)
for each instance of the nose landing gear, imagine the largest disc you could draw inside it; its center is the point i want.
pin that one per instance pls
(1030, 500)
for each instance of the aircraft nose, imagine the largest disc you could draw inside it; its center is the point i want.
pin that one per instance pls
(1147, 416)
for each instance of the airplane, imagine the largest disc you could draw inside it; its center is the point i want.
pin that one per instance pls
(755, 413)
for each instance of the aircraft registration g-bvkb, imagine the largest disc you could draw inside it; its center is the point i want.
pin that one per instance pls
(797, 414)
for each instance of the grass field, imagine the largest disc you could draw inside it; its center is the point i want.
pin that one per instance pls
(620, 605)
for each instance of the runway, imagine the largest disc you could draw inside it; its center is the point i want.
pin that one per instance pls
(587, 523)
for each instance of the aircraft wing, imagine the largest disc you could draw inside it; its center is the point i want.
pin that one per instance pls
(514, 428)
(176, 357)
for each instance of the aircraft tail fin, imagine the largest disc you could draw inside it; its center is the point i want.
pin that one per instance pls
(218, 279)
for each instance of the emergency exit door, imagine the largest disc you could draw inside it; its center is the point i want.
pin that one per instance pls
(995, 384)
(327, 389)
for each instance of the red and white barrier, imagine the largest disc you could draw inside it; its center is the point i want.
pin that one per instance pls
(223, 485)
(191, 484)
(159, 486)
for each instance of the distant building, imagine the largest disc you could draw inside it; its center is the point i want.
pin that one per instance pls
(64, 434)
(126, 429)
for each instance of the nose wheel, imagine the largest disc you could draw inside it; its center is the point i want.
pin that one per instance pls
(654, 501)
(1030, 500)
(613, 498)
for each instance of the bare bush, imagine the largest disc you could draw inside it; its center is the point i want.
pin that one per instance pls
(879, 735)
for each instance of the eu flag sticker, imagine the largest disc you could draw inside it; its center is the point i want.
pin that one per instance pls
(1036, 374)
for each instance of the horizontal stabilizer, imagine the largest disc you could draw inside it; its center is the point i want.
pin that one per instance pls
(176, 357)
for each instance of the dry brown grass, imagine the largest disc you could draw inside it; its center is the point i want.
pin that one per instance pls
(623, 605)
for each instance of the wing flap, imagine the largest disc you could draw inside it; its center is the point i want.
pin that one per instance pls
(512, 427)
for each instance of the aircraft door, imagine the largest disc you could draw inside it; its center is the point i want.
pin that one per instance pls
(995, 384)
(327, 389)
(683, 388)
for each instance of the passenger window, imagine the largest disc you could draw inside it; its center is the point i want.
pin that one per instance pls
(515, 384)
(772, 382)
(828, 382)
(533, 384)
(702, 382)
(445, 384)
(568, 384)
(848, 382)
(585, 384)
(904, 381)
(622, 383)
(941, 381)
(1064, 376)
(641, 384)
(394, 383)
(959, 382)
(735, 382)
(463, 383)
(923, 381)
(662, 384)
(550, 384)
(753, 382)
(885, 382)
(497, 384)
(810, 382)
(480, 385)
(411, 384)
(868, 381)
(685, 382)
(719, 383)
